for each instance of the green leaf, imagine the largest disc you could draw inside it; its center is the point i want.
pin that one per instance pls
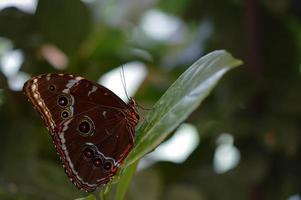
(125, 181)
(180, 100)
(90, 197)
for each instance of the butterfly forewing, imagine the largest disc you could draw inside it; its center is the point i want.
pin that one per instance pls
(89, 124)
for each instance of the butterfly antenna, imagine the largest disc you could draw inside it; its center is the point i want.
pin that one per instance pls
(122, 74)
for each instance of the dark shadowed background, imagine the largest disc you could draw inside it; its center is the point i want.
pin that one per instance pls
(244, 139)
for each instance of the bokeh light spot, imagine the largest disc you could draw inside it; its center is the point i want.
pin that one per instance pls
(176, 149)
(160, 26)
(134, 72)
(295, 197)
(226, 155)
(24, 5)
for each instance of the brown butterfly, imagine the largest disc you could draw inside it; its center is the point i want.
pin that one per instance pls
(92, 128)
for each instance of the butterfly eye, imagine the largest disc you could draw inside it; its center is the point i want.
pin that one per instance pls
(108, 165)
(63, 101)
(97, 162)
(65, 114)
(86, 127)
(88, 152)
(51, 88)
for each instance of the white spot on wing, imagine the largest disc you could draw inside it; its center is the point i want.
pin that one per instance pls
(34, 87)
(104, 114)
(71, 83)
(48, 77)
(94, 88)
(107, 132)
(78, 78)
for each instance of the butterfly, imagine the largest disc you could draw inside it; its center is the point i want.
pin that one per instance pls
(92, 128)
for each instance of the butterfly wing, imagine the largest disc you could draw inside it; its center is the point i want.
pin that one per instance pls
(88, 123)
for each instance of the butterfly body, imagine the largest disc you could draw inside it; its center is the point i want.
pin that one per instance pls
(91, 127)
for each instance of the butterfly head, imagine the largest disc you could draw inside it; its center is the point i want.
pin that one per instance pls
(133, 112)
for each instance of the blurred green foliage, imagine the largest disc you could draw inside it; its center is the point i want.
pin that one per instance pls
(259, 104)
